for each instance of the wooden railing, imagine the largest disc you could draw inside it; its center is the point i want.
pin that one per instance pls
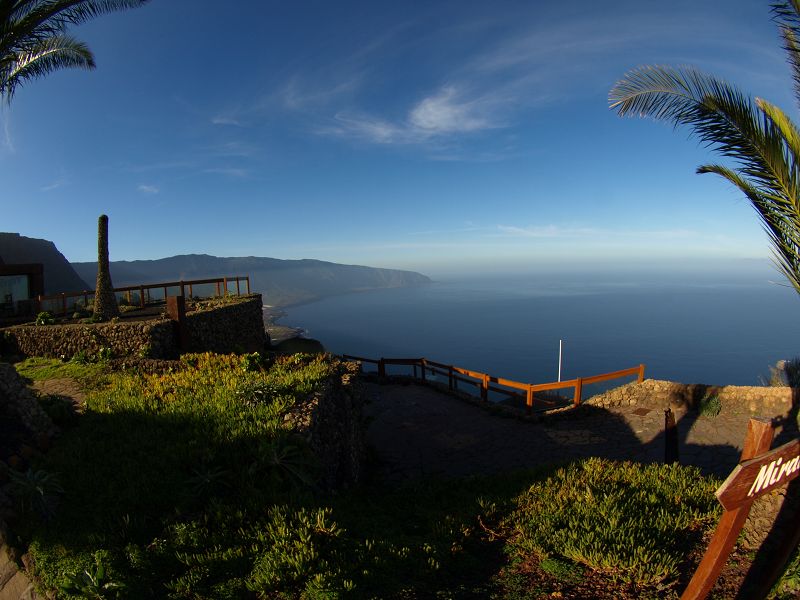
(484, 382)
(220, 288)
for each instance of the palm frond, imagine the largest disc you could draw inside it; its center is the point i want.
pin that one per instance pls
(787, 15)
(49, 55)
(33, 39)
(782, 228)
(718, 113)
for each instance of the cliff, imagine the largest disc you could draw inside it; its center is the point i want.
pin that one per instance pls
(59, 276)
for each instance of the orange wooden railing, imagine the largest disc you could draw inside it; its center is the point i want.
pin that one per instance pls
(221, 289)
(484, 381)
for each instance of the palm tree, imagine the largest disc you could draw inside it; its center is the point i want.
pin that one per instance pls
(34, 41)
(760, 138)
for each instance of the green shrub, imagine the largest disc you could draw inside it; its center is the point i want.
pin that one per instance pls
(35, 492)
(710, 406)
(788, 586)
(93, 583)
(633, 522)
(45, 318)
(562, 570)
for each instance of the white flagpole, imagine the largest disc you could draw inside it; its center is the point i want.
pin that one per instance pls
(560, 348)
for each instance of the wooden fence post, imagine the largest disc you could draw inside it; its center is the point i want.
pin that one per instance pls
(422, 363)
(247, 279)
(641, 373)
(238, 293)
(758, 441)
(485, 388)
(225, 285)
(578, 391)
(529, 400)
(141, 296)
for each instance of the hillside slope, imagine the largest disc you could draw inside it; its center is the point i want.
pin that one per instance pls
(282, 282)
(59, 276)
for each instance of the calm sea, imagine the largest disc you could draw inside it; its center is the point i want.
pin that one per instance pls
(715, 333)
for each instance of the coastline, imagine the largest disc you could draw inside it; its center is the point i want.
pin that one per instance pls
(279, 333)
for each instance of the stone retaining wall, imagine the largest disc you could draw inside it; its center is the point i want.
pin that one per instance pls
(152, 338)
(18, 403)
(331, 422)
(237, 326)
(654, 393)
(225, 328)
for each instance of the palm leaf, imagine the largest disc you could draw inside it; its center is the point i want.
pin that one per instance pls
(49, 55)
(33, 39)
(757, 135)
(787, 14)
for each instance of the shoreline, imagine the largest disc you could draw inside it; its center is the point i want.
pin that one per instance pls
(279, 333)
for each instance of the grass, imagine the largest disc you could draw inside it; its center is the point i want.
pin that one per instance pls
(39, 369)
(191, 484)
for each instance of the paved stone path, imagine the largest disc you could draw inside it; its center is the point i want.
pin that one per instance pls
(417, 431)
(64, 387)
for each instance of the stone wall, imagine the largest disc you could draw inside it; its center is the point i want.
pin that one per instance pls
(224, 328)
(17, 405)
(234, 326)
(331, 422)
(154, 338)
(654, 393)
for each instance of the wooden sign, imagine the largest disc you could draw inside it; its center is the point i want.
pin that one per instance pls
(760, 475)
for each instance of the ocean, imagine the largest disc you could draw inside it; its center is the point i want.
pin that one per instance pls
(722, 332)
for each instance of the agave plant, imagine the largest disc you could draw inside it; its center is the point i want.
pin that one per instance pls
(34, 39)
(760, 138)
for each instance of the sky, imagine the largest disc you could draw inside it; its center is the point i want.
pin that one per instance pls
(438, 136)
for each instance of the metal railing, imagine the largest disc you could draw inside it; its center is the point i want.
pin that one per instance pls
(488, 383)
(60, 304)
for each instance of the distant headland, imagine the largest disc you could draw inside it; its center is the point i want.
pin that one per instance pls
(281, 282)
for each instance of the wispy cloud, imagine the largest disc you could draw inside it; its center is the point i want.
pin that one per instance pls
(497, 82)
(150, 190)
(223, 120)
(556, 231)
(229, 171)
(58, 183)
(8, 142)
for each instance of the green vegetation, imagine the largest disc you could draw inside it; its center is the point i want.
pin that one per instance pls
(759, 136)
(191, 484)
(45, 318)
(630, 521)
(710, 406)
(82, 370)
(34, 39)
(788, 586)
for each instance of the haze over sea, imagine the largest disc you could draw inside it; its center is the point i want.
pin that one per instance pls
(700, 326)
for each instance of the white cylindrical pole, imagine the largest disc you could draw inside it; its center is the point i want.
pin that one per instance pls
(560, 349)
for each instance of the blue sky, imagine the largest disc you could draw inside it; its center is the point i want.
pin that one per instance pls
(436, 136)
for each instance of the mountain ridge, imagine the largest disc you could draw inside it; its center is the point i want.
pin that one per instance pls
(282, 282)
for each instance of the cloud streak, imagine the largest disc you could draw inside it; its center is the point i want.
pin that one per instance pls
(149, 190)
(556, 231)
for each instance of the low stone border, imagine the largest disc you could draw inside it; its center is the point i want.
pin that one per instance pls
(331, 422)
(654, 393)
